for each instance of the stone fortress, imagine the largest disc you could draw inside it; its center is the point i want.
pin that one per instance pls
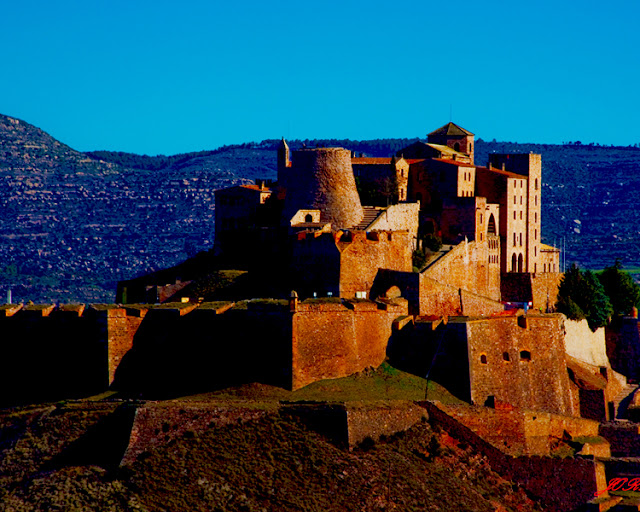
(477, 318)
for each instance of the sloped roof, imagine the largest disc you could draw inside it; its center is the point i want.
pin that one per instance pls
(584, 375)
(451, 129)
(503, 173)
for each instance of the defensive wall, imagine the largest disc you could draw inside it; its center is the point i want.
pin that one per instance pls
(521, 432)
(515, 359)
(541, 289)
(461, 282)
(54, 352)
(345, 263)
(338, 338)
(561, 484)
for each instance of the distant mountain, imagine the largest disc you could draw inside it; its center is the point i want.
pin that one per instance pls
(73, 224)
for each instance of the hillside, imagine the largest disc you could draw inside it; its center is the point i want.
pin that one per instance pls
(66, 457)
(72, 224)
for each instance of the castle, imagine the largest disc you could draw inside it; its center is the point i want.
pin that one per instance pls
(330, 251)
(313, 226)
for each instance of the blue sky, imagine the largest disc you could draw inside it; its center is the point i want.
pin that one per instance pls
(161, 77)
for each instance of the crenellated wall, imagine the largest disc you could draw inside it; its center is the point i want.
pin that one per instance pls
(54, 352)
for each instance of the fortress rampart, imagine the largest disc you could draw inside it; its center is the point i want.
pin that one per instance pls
(53, 352)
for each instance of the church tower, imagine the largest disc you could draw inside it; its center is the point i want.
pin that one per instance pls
(455, 137)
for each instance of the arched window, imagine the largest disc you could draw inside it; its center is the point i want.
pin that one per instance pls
(492, 225)
(514, 262)
(520, 263)
(308, 218)
(483, 359)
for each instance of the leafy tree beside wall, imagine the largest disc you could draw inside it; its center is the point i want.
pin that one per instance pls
(581, 295)
(619, 286)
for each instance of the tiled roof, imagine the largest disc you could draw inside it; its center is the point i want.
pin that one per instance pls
(451, 129)
(457, 163)
(503, 173)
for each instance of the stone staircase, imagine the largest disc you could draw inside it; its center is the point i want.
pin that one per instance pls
(370, 214)
(623, 399)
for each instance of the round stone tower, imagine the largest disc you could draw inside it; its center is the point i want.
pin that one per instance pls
(322, 178)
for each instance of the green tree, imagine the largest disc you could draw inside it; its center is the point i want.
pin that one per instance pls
(581, 295)
(619, 286)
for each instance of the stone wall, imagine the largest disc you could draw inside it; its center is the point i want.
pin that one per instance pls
(441, 299)
(561, 484)
(398, 217)
(346, 262)
(467, 266)
(363, 254)
(332, 340)
(521, 432)
(519, 360)
(584, 344)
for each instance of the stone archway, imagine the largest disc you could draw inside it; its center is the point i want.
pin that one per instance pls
(520, 263)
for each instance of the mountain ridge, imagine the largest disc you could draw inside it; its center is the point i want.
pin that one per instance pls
(73, 224)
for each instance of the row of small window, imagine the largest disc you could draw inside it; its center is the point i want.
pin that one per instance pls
(466, 193)
(493, 258)
(535, 216)
(515, 184)
(467, 176)
(516, 238)
(525, 355)
(515, 200)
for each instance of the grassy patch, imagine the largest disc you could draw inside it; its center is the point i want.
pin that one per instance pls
(382, 383)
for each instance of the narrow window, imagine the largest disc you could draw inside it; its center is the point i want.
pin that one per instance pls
(483, 359)
(514, 215)
(505, 356)
(514, 239)
(536, 187)
(520, 199)
(535, 234)
(521, 215)
(515, 201)
(535, 217)
(535, 268)
(520, 239)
